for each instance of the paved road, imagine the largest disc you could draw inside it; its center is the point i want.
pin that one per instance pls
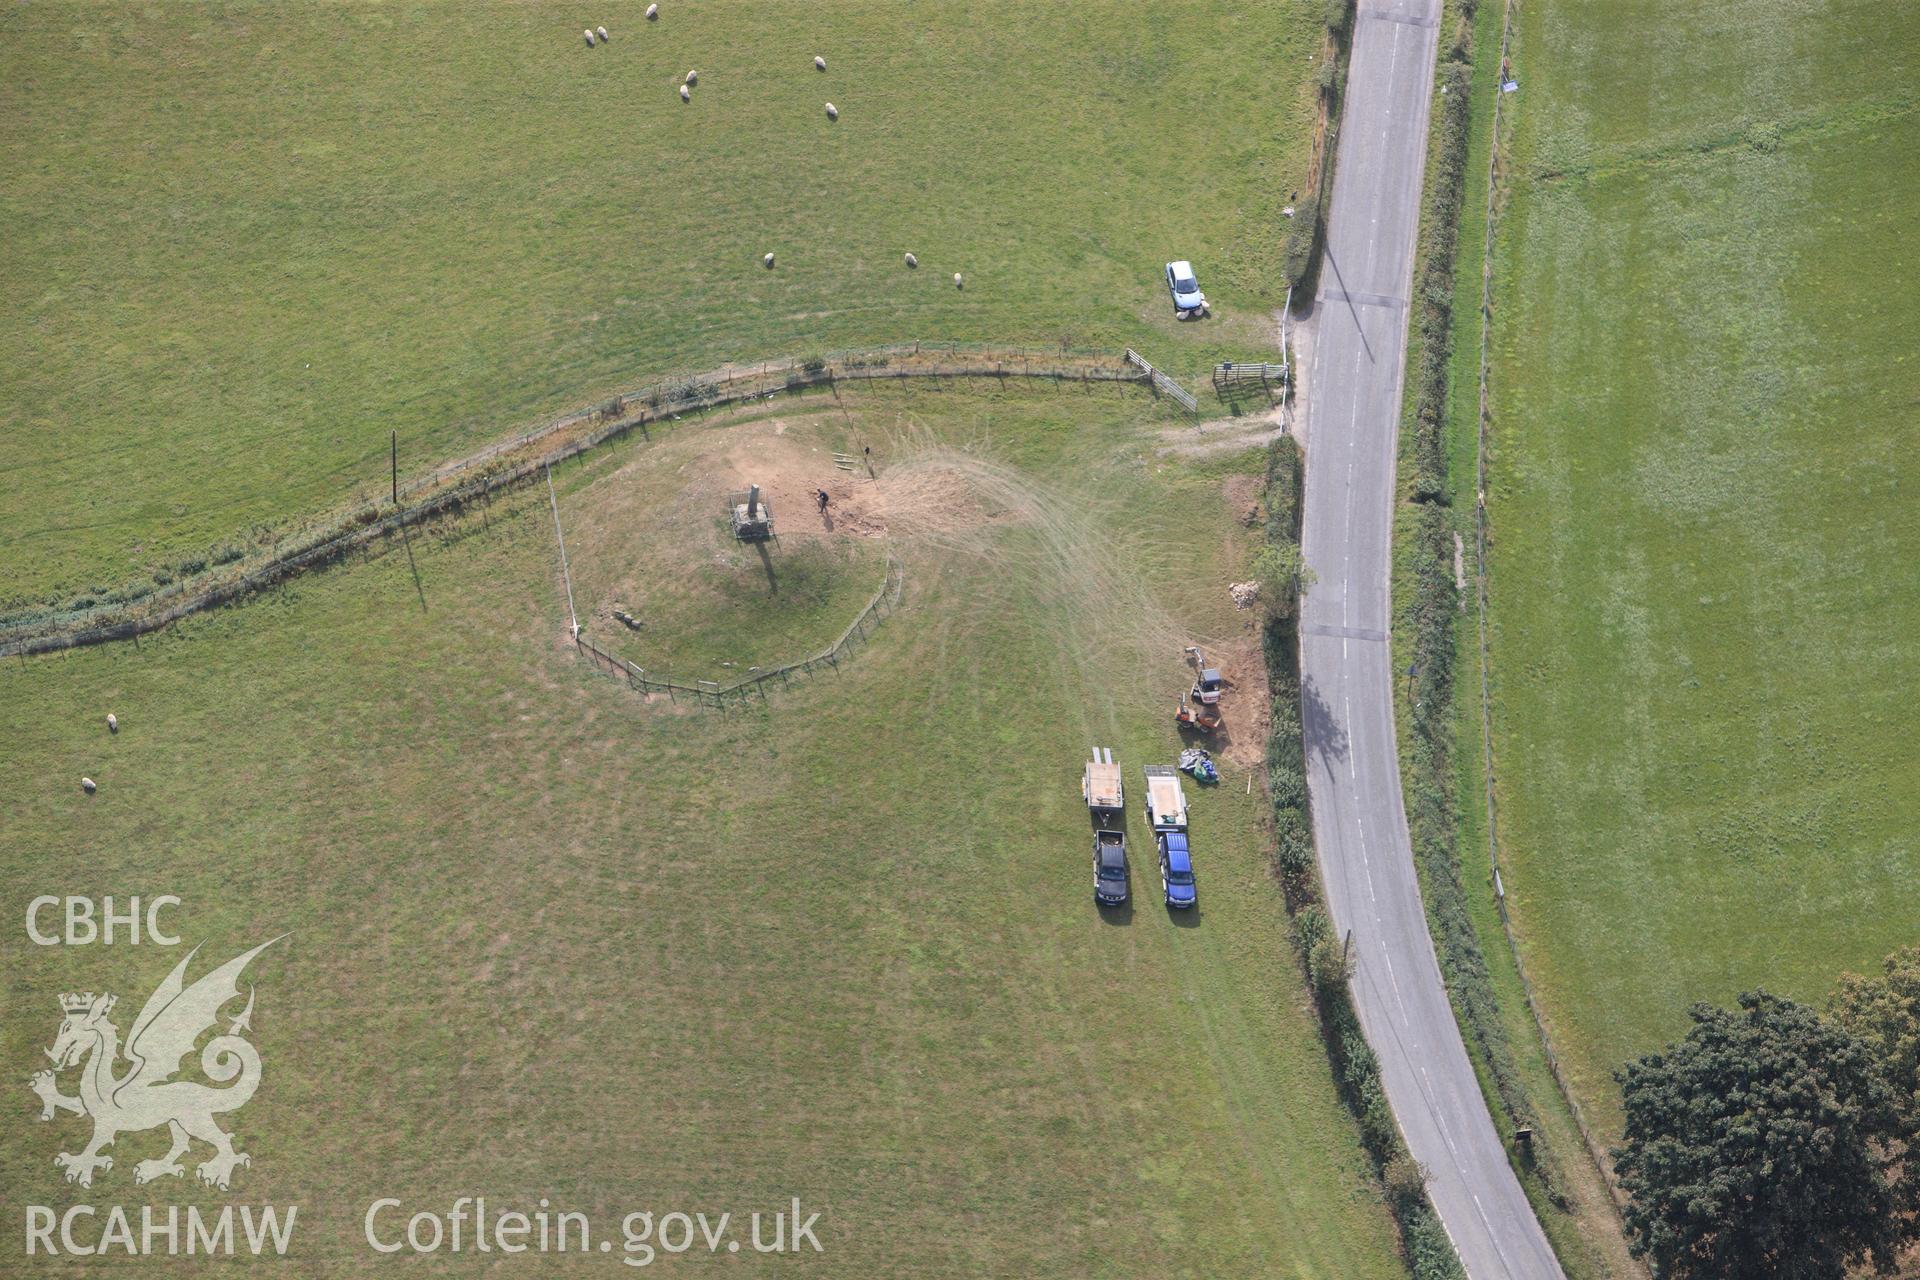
(1353, 772)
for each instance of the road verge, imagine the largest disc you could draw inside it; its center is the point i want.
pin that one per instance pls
(1438, 542)
(1322, 955)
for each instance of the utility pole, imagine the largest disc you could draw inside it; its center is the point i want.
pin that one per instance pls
(393, 456)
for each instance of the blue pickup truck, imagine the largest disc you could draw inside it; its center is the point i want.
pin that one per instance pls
(1176, 870)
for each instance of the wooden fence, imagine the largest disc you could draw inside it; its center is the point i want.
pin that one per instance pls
(712, 693)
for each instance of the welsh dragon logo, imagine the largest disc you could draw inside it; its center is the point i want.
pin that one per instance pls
(146, 1095)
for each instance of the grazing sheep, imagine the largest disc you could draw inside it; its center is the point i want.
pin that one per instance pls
(602, 33)
(912, 261)
(959, 282)
(693, 77)
(768, 260)
(87, 785)
(833, 112)
(653, 13)
(819, 63)
(589, 36)
(113, 723)
(686, 94)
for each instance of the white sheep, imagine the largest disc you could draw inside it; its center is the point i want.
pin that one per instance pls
(113, 723)
(589, 36)
(602, 33)
(959, 282)
(686, 94)
(653, 13)
(768, 260)
(87, 785)
(819, 63)
(693, 77)
(833, 112)
(912, 261)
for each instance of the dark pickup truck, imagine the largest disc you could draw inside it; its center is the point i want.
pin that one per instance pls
(1109, 868)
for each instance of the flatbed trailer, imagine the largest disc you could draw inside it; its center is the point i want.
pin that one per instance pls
(1100, 784)
(1166, 801)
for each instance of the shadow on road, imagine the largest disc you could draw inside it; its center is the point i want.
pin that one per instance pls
(1353, 310)
(1326, 740)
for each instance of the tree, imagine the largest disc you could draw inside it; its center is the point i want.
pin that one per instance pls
(1283, 576)
(1884, 1014)
(1762, 1145)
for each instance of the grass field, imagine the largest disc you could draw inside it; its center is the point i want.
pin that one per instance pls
(547, 939)
(1706, 559)
(246, 241)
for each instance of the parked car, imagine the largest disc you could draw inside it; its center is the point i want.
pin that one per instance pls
(1109, 868)
(1185, 288)
(1176, 870)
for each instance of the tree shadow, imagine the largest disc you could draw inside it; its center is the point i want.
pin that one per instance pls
(1326, 741)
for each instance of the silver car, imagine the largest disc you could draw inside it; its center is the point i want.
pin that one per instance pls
(1187, 298)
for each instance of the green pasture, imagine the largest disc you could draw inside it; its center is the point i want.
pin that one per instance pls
(246, 241)
(549, 939)
(1706, 549)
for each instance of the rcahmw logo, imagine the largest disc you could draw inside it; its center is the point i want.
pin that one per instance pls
(147, 1094)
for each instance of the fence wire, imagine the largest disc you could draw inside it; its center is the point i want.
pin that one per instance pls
(523, 458)
(711, 693)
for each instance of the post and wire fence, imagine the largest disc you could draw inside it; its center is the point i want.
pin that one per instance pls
(711, 693)
(237, 571)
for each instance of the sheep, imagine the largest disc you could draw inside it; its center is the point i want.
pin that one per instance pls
(113, 723)
(589, 36)
(959, 281)
(768, 261)
(602, 33)
(819, 63)
(686, 94)
(912, 261)
(87, 785)
(653, 13)
(833, 112)
(693, 77)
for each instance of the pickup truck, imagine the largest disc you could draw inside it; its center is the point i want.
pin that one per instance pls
(1109, 868)
(1176, 870)
(1166, 802)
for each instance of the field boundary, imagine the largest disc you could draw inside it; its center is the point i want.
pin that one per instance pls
(1595, 1152)
(1161, 382)
(893, 582)
(509, 464)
